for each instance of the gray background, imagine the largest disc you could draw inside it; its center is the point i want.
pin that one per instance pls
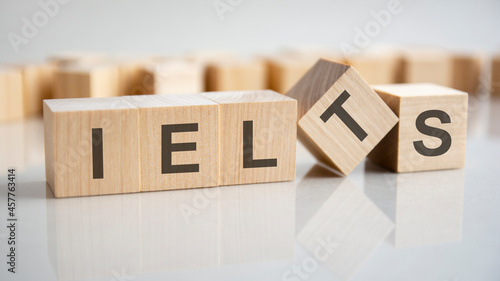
(173, 27)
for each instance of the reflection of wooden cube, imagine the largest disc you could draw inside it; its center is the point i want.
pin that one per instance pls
(179, 139)
(257, 222)
(495, 76)
(11, 94)
(94, 237)
(83, 81)
(91, 146)
(432, 128)
(37, 85)
(257, 136)
(341, 118)
(378, 68)
(236, 75)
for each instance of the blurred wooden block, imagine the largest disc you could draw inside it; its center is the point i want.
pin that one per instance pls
(236, 75)
(428, 66)
(179, 141)
(131, 77)
(378, 68)
(431, 132)
(174, 76)
(257, 136)
(83, 81)
(341, 118)
(38, 81)
(286, 69)
(466, 72)
(91, 146)
(495, 76)
(11, 94)
(77, 57)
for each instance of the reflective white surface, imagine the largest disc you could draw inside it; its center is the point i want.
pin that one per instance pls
(371, 225)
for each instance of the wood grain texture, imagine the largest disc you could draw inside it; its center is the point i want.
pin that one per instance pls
(397, 151)
(83, 81)
(495, 76)
(11, 94)
(332, 141)
(159, 110)
(273, 123)
(68, 125)
(236, 75)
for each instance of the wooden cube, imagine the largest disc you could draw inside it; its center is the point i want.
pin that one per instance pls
(341, 118)
(38, 81)
(84, 81)
(77, 57)
(428, 66)
(285, 71)
(466, 72)
(495, 76)
(179, 141)
(11, 94)
(174, 76)
(236, 75)
(378, 67)
(131, 77)
(91, 146)
(257, 136)
(431, 132)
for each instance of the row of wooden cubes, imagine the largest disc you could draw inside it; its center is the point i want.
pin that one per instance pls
(23, 87)
(129, 144)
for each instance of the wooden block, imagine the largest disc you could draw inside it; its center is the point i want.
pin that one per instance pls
(11, 94)
(428, 66)
(257, 136)
(378, 67)
(431, 132)
(174, 76)
(340, 117)
(179, 141)
(38, 81)
(236, 75)
(83, 81)
(91, 146)
(495, 76)
(77, 57)
(131, 77)
(466, 72)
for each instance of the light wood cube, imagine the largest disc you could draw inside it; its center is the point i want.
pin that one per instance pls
(11, 94)
(431, 132)
(84, 81)
(341, 118)
(38, 79)
(495, 76)
(378, 68)
(257, 136)
(174, 76)
(466, 72)
(131, 77)
(179, 141)
(91, 146)
(236, 75)
(428, 66)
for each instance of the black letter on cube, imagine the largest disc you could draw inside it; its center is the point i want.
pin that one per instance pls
(336, 108)
(167, 147)
(97, 158)
(434, 132)
(248, 161)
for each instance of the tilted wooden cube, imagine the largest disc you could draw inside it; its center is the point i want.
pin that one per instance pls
(179, 139)
(91, 146)
(432, 128)
(84, 81)
(11, 94)
(257, 136)
(341, 118)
